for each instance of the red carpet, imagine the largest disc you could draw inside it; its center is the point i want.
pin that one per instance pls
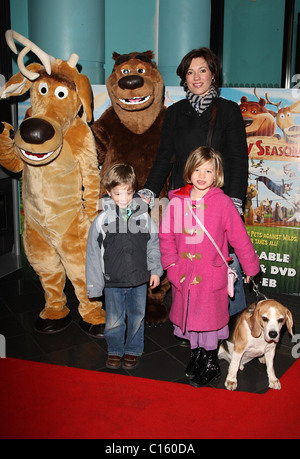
(48, 401)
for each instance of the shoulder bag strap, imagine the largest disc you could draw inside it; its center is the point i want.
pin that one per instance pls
(208, 234)
(211, 123)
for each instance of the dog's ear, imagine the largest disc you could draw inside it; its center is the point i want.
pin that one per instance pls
(289, 321)
(253, 323)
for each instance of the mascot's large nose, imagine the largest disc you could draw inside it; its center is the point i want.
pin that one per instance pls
(131, 82)
(36, 130)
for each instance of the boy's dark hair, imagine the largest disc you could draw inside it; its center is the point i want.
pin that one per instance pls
(119, 174)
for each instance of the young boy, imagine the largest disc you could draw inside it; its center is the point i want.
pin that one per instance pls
(122, 257)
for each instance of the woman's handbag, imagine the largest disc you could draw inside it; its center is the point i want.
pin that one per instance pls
(232, 275)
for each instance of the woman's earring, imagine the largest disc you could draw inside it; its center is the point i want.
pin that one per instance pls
(185, 86)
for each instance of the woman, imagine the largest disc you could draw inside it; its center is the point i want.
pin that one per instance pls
(204, 118)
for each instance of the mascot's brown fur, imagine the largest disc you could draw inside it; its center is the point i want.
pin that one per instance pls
(54, 149)
(129, 132)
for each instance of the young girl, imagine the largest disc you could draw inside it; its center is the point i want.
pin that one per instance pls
(195, 269)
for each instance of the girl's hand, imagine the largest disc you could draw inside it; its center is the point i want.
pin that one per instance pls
(154, 281)
(248, 279)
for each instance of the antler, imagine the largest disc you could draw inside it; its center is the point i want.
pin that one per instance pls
(255, 93)
(73, 59)
(45, 58)
(277, 104)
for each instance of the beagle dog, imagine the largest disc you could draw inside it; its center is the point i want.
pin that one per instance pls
(256, 334)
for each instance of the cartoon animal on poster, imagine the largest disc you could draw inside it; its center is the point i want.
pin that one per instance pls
(285, 120)
(261, 210)
(282, 187)
(272, 125)
(258, 120)
(249, 213)
(279, 213)
(55, 151)
(296, 207)
(129, 131)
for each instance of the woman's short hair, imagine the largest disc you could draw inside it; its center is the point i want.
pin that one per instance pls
(198, 157)
(119, 174)
(211, 60)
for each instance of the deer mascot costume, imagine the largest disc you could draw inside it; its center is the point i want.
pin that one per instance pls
(54, 149)
(129, 132)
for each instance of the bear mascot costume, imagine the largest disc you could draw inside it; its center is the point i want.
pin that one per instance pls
(129, 132)
(55, 150)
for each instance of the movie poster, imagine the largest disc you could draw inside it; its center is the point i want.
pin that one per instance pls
(272, 210)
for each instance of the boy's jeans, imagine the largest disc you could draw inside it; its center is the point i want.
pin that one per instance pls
(121, 303)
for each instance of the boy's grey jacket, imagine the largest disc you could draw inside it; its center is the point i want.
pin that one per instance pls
(121, 253)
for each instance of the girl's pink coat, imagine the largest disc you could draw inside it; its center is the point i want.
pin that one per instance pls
(199, 277)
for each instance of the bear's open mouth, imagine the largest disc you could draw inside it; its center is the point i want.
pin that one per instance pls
(135, 100)
(248, 122)
(35, 156)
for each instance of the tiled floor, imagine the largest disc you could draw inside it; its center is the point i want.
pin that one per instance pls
(21, 300)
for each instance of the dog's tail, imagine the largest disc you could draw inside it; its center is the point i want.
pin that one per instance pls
(224, 351)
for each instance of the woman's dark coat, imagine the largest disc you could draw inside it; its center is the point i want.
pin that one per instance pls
(184, 130)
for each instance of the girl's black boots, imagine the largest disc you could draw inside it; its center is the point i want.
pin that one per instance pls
(195, 365)
(210, 371)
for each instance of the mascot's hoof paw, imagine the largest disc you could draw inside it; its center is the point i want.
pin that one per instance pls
(156, 313)
(96, 331)
(49, 326)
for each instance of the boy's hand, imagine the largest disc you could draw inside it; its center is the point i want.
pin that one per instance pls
(154, 281)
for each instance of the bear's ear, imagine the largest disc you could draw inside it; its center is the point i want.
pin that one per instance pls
(262, 102)
(115, 55)
(149, 54)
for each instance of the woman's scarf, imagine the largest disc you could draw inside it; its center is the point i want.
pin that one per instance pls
(201, 103)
